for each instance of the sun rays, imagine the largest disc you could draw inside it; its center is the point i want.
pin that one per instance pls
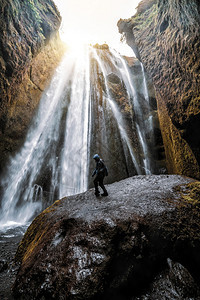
(94, 21)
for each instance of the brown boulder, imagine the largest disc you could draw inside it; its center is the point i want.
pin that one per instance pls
(84, 247)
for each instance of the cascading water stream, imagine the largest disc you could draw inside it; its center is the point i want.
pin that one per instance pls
(74, 162)
(55, 158)
(41, 151)
(117, 114)
(25, 167)
(146, 95)
(142, 125)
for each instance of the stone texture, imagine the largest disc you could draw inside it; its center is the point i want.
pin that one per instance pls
(165, 36)
(115, 247)
(105, 137)
(9, 241)
(30, 49)
(175, 282)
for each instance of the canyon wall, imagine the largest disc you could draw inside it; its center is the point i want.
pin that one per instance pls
(165, 37)
(107, 138)
(30, 49)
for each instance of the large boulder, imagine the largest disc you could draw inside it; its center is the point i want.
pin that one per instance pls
(143, 237)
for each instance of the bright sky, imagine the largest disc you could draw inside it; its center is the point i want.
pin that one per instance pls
(95, 21)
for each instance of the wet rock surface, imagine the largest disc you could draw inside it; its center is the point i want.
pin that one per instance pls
(140, 239)
(30, 50)
(9, 241)
(175, 282)
(137, 112)
(165, 36)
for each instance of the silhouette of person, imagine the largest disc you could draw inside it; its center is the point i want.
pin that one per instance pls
(100, 171)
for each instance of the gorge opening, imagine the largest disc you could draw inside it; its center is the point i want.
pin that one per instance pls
(94, 103)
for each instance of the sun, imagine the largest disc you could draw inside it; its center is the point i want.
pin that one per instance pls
(94, 21)
(75, 41)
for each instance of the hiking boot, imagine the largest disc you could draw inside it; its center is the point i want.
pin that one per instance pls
(104, 194)
(97, 194)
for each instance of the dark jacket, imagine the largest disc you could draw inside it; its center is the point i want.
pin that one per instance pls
(100, 169)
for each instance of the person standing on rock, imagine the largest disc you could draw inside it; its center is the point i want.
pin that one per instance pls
(100, 171)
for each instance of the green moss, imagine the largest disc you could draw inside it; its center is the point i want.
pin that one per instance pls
(34, 234)
(190, 194)
(144, 20)
(34, 10)
(194, 105)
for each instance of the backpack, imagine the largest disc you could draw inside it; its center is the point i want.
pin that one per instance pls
(103, 169)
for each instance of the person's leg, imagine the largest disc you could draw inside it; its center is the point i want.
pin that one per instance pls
(105, 193)
(96, 186)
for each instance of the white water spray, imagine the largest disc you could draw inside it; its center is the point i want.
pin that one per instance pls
(74, 163)
(23, 197)
(117, 115)
(142, 125)
(54, 160)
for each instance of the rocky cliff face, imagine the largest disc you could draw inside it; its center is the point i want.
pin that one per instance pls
(165, 36)
(141, 242)
(30, 49)
(105, 135)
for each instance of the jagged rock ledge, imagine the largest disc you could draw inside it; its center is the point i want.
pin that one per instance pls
(165, 37)
(143, 239)
(30, 50)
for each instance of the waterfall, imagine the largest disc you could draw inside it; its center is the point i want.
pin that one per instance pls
(47, 151)
(74, 162)
(77, 115)
(117, 114)
(144, 127)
